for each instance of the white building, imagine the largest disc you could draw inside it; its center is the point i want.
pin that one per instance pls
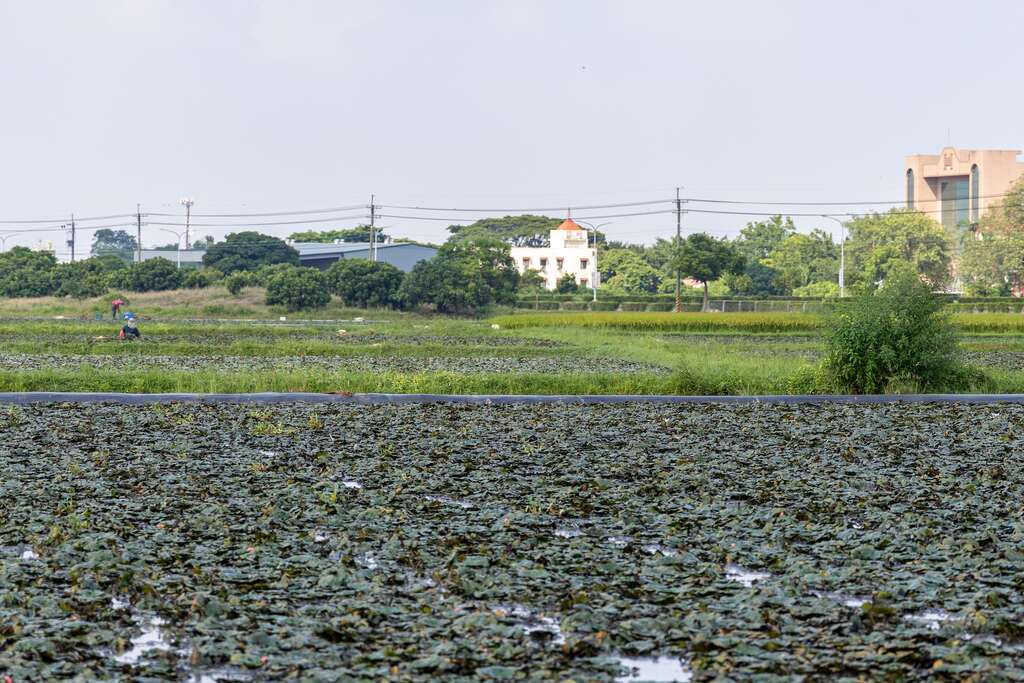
(570, 252)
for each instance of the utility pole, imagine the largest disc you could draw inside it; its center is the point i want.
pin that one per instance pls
(373, 229)
(187, 203)
(679, 240)
(72, 238)
(138, 230)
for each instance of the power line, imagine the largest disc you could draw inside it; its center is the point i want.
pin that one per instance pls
(273, 213)
(522, 210)
(464, 220)
(65, 220)
(855, 203)
(327, 219)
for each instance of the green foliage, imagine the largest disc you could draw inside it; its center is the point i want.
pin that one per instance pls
(880, 242)
(894, 337)
(152, 275)
(756, 279)
(248, 251)
(668, 322)
(802, 259)
(759, 239)
(531, 280)
(261, 277)
(992, 257)
(88, 278)
(239, 280)
(24, 272)
(518, 231)
(824, 289)
(463, 277)
(201, 278)
(298, 289)
(363, 283)
(114, 243)
(567, 284)
(359, 234)
(703, 258)
(626, 271)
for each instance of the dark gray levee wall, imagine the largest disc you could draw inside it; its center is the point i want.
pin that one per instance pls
(376, 399)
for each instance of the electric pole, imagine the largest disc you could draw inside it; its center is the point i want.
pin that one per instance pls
(187, 203)
(138, 230)
(72, 238)
(679, 240)
(373, 229)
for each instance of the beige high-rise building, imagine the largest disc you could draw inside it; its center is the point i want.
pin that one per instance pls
(958, 186)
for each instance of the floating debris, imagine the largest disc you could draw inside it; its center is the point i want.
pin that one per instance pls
(929, 618)
(451, 501)
(152, 639)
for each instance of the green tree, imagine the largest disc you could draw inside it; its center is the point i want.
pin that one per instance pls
(704, 258)
(992, 259)
(531, 280)
(86, 278)
(463, 277)
(880, 241)
(152, 275)
(364, 283)
(298, 289)
(248, 251)
(518, 231)
(567, 284)
(114, 242)
(633, 277)
(760, 238)
(802, 259)
(359, 234)
(755, 279)
(24, 272)
(239, 280)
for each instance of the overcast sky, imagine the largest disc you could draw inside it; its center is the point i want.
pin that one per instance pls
(258, 106)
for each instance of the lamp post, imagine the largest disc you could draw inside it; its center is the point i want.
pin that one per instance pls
(187, 203)
(593, 229)
(178, 235)
(3, 239)
(842, 254)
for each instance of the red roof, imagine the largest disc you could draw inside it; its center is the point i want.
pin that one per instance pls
(569, 224)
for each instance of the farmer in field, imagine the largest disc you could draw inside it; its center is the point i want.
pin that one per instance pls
(130, 329)
(115, 307)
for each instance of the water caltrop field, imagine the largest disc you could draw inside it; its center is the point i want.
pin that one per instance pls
(437, 541)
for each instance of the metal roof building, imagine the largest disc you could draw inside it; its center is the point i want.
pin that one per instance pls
(402, 255)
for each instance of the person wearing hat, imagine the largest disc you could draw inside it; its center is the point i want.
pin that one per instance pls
(130, 329)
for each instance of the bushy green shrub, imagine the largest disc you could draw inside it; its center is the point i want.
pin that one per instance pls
(238, 280)
(153, 275)
(894, 338)
(261, 276)
(201, 278)
(463, 277)
(567, 284)
(298, 289)
(24, 272)
(364, 283)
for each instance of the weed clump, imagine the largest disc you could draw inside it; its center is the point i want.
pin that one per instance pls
(894, 339)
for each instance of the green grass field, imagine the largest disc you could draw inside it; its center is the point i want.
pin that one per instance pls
(210, 341)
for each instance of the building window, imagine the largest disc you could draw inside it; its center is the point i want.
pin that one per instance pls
(910, 188)
(975, 194)
(584, 263)
(526, 262)
(543, 264)
(953, 196)
(558, 263)
(583, 282)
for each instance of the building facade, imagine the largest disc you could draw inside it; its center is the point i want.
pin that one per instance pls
(570, 252)
(958, 186)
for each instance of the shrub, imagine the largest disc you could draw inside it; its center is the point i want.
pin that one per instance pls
(261, 277)
(201, 278)
(298, 289)
(24, 272)
(238, 281)
(248, 251)
(567, 284)
(462, 277)
(364, 283)
(824, 289)
(153, 275)
(896, 337)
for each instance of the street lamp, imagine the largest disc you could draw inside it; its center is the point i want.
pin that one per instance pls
(3, 239)
(842, 254)
(187, 203)
(178, 235)
(597, 274)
